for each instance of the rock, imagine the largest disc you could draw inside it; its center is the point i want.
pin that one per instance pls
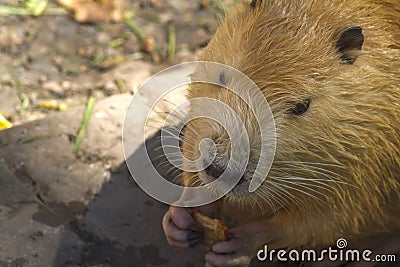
(53, 86)
(30, 149)
(120, 226)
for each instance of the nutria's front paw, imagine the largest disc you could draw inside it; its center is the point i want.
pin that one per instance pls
(180, 229)
(243, 244)
(228, 253)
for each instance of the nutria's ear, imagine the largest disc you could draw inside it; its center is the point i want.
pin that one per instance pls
(351, 39)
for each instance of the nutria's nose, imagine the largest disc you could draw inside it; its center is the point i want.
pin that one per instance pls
(215, 169)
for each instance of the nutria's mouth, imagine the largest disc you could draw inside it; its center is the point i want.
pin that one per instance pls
(209, 178)
(238, 190)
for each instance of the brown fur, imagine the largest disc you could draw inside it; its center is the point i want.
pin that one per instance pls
(347, 145)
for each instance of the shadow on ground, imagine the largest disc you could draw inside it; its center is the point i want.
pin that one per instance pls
(122, 225)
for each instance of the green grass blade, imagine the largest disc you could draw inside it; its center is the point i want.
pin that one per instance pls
(171, 43)
(85, 122)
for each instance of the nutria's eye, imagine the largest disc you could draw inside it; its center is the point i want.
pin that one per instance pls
(254, 3)
(300, 108)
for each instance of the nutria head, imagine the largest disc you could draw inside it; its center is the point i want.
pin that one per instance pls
(330, 73)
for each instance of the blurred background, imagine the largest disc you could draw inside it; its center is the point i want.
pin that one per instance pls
(52, 55)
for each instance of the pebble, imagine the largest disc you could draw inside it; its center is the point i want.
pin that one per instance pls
(53, 86)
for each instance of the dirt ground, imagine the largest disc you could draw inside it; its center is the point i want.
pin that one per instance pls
(52, 57)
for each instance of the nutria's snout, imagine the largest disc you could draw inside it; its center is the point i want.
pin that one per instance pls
(224, 152)
(215, 164)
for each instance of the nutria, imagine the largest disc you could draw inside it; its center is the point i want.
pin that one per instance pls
(330, 71)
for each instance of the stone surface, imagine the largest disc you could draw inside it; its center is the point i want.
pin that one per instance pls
(25, 241)
(63, 209)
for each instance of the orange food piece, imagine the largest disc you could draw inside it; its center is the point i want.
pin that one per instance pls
(214, 229)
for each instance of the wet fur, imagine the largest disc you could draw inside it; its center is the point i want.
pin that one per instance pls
(337, 167)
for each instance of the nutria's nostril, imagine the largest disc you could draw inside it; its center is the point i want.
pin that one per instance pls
(215, 169)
